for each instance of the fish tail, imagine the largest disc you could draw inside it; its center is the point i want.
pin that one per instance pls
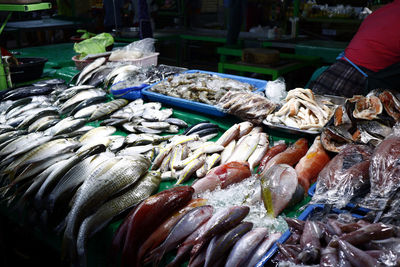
(155, 255)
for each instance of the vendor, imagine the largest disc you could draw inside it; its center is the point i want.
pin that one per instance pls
(112, 14)
(370, 61)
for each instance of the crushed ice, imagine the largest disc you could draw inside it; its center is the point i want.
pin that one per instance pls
(245, 193)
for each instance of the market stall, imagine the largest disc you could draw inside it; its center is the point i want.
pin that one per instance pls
(130, 162)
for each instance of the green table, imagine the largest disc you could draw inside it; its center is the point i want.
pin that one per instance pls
(291, 62)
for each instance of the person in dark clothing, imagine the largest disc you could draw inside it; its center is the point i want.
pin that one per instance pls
(112, 14)
(370, 61)
(235, 20)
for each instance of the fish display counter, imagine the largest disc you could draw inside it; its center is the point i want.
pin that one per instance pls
(109, 180)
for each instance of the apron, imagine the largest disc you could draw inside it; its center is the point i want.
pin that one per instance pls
(387, 78)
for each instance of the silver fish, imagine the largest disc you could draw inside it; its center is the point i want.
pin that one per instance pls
(229, 135)
(89, 68)
(161, 156)
(117, 142)
(38, 124)
(244, 247)
(79, 97)
(66, 125)
(86, 112)
(95, 133)
(95, 191)
(245, 149)
(97, 221)
(177, 122)
(191, 168)
(262, 249)
(259, 152)
(39, 113)
(159, 125)
(210, 162)
(108, 108)
(135, 150)
(227, 153)
(156, 115)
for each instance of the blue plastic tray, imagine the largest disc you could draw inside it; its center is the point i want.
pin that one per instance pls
(285, 236)
(197, 106)
(131, 93)
(311, 192)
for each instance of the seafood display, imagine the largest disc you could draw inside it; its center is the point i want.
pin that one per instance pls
(362, 119)
(339, 240)
(302, 110)
(198, 190)
(247, 106)
(200, 87)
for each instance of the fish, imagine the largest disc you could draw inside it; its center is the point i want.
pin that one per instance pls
(51, 181)
(108, 108)
(97, 221)
(158, 125)
(229, 135)
(27, 91)
(182, 229)
(136, 150)
(116, 71)
(209, 137)
(356, 256)
(89, 68)
(221, 244)
(262, 249)
(279, 188)
(143, 129)
(114, 122)
(71, 103)
(117, 143)
(290, 156)
(222, 176)
(156, 115)
(226, 154)
(95, 133)
(210, 162)
(43, 123)
(148, 216)
(334, 139)
(206, 132)
(96, 189)
(66, 125)
(20, 110)
(18, 143)
(177, 122)
(201, 126)
(162, 232)
(329, 257)
(190, 169)
(258, 154)
(391, 104)
(222, 221)
(311, 164)
(194, 125)
(353, 163)
(310, 242)
(367, 108)
(18, 103)
(86, 112)
(74, 177)
(244, 247)
(87, 103)
(245, 128)
(39, 113)
(375, 231)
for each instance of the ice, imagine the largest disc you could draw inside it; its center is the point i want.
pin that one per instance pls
(245, 193)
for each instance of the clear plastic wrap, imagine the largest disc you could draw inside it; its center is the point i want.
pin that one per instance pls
(248, 106)
(384, 171)
(344, 177)
(134, 50)
(276, 90)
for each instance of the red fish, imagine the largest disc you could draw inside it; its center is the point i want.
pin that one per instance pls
(311, 164)
(148, 216)
(224, 175)
(291, 155)
(158, 236)
(272, 152)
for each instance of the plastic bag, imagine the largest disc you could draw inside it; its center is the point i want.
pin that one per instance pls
(94, 45)
(344, 177)
(384, 171)
(248, 106)
(134, 50)
(276, 90)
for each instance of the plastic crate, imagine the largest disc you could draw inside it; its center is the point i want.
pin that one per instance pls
(311, 192)
(285, 236)
(131, 93)
(197, 106)
(143, 61)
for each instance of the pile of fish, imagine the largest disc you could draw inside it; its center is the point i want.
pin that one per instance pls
(247, 106)
(172, 219)
(302, 111)
(362, 119)
(140, 117)
(191, 154)
(339, 240)
(200, 87)
(101, 71)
